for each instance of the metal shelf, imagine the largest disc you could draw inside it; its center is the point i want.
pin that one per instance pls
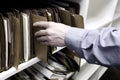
(12, 71)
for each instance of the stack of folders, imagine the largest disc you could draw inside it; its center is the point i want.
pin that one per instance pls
(17, 41)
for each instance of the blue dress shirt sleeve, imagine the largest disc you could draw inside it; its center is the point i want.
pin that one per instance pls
(98, 46)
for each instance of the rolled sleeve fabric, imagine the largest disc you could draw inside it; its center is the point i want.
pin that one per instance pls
(98, 46)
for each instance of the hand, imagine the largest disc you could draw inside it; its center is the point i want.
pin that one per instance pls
(53, 33)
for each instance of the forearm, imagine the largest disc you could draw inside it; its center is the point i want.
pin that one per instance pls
(96, 46)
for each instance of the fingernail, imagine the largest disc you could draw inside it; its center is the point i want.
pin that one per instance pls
(35, 33)
(34, 24)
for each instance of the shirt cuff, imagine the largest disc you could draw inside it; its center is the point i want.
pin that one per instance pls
(73, 40)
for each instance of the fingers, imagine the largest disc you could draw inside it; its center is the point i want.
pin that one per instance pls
(45, 43)
(42, 39)
(41, 33)
(48, 43)
(41, 24)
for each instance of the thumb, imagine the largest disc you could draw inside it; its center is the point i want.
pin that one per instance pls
(41, 24)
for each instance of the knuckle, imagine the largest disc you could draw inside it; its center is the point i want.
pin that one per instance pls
(49, 38)
(50, 24)
(49, 31)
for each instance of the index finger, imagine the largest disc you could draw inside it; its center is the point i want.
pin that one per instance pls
(41, 24)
